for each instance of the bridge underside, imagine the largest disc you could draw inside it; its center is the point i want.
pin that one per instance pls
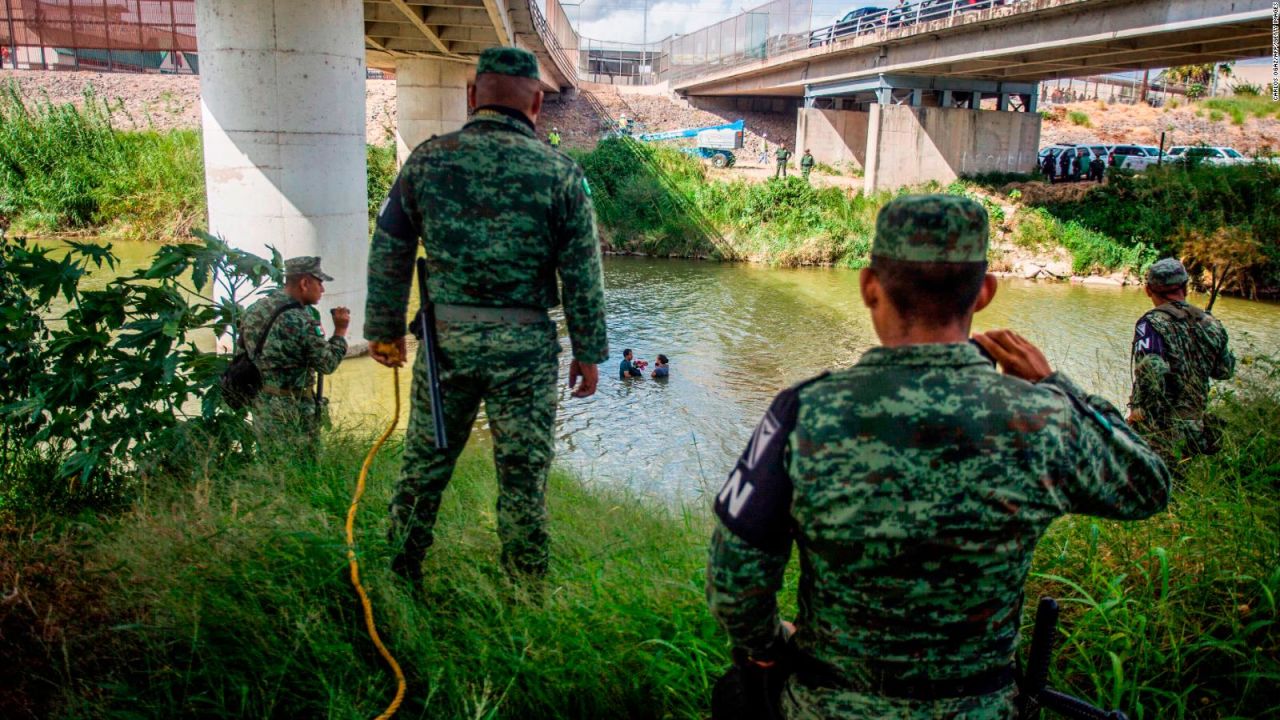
(1028, 42)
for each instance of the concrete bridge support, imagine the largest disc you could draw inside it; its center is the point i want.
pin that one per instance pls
(431, 99)
(282, 101)
(912, 145)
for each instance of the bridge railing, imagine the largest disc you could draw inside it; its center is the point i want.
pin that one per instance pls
(563, 58)
(785, 26)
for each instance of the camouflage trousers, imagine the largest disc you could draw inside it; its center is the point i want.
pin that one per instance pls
(800, 702)
(286, 426)
(512, 369)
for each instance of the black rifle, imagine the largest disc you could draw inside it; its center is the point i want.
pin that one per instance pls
(427, 336)
(1033, 691)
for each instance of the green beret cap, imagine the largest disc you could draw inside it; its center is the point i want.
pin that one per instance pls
(931, 228)
(1166, 272)
(508, 61)
(305, 265)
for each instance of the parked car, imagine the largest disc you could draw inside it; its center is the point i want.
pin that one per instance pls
(1072, 151)
(1175, 152)
(855, 22)
(1213, 156)
(1134, 157)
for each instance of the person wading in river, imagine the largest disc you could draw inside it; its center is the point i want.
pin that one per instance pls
(500, 215)
(1177, 349)
(916, 484)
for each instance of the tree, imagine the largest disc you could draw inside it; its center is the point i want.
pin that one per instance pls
(1229, 254)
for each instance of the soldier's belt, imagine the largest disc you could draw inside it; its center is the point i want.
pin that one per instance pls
(478, 313)
(300, 393)
(886, 679)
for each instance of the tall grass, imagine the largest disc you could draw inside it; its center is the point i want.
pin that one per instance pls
(63, 168)
(1259, 106)
(223, 593)
(1091, 251)
(660, 201)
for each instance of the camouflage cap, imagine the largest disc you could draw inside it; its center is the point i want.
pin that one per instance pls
(931, 228)
(305, 265)
(508, 61)
(1166, 272)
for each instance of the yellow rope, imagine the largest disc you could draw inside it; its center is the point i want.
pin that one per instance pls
(355, 566)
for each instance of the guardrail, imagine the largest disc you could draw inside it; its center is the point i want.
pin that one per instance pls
(781, 27)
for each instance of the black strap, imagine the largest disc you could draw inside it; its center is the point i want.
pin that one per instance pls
(262, 339)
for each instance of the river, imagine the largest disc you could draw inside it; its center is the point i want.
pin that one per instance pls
(736, 334)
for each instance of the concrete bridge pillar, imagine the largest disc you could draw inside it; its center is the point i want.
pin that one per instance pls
(282, 95)
(431, 99)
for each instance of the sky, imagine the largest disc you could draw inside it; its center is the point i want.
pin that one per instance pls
(623, 20)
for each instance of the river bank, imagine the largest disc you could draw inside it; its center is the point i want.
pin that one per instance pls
(222, 591)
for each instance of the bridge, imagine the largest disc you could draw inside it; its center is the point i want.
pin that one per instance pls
(900, 93)
(282, 89)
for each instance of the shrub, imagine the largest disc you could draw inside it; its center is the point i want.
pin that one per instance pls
(97, 378)
(1247, 89)
(1079, 118)
(1215, 116)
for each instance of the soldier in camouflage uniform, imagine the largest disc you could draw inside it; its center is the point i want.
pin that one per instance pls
(294, 352)
(500, 215)
(916, 484)
(1177, 349)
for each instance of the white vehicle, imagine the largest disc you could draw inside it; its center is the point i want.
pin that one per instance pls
(1214, 155)
(1175, 152)
(1134, 157)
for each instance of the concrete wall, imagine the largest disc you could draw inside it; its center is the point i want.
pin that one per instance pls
(835, 137)
(911, 145)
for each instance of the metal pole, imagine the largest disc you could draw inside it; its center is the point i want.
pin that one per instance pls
(106, 30)
(644, 43)
(13, 37)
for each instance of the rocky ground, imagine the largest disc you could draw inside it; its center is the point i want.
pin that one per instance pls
(1142, 125)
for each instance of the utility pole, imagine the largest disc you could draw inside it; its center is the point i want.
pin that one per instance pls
(644, 43)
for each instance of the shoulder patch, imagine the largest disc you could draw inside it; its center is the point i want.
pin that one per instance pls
(755, 502)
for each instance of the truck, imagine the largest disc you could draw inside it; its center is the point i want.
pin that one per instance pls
(712, 142)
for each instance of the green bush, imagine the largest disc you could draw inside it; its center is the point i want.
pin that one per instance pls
(1091, 251)
(380, 173)
(1156, 208)
(1247, 89)
(1215, 116)
(98, 379)
(1075, 117)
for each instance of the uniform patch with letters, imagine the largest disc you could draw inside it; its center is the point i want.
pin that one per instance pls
(755, 502)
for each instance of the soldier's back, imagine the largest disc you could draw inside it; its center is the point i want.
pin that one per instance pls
(1194, 345)
(491, 197)
(921, 489)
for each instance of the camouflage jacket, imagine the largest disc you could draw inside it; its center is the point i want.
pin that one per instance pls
(1177, 349)
(500, 214)
(296, 349)
(916, 484)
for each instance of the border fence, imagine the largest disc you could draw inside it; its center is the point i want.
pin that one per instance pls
(115, 35)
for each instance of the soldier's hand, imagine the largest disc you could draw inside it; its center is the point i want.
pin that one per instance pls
(391, 354)
(1015, 354)
(341, 320)
(583, 378)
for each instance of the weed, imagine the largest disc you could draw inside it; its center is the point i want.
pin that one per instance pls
(1215, 116)
(1076, 117)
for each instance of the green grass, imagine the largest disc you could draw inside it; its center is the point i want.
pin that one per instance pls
(1091, 251)
(1075, 117)
(1242, 106)
(223, 593)
(68, 169)
(1215, 116)
(659, 201)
